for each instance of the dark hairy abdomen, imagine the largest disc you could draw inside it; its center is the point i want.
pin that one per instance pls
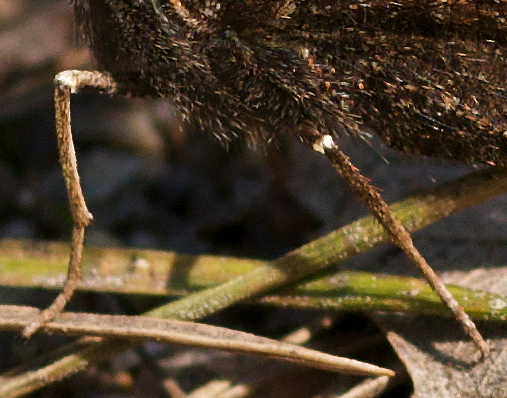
(427, 77)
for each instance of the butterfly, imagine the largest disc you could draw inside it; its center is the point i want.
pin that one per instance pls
(428, 77)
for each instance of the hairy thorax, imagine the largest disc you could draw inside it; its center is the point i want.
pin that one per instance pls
(427, 76)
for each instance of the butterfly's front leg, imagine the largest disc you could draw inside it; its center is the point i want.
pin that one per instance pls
(67, 83)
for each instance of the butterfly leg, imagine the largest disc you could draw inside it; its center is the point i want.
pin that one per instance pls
(67, 83)
(399, 235)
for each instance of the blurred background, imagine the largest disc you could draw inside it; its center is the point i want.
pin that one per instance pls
(149, 185)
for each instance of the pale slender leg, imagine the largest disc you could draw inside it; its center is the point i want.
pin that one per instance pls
(67, 83)
(399, 235)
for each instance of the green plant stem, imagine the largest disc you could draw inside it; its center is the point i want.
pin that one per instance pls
(357, 237)
(363, 291)
(113, 272)
(337, 246)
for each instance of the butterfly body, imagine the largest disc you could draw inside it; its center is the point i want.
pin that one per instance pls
(427, 76)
